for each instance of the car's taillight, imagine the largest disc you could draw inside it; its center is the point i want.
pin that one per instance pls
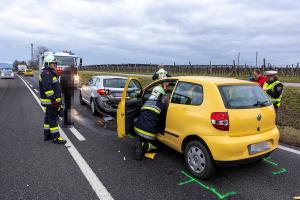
(103, 92)
(220, 120)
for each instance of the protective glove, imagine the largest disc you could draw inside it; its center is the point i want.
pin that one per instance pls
(55, 104)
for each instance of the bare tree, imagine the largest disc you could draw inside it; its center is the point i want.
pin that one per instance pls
(37, 52)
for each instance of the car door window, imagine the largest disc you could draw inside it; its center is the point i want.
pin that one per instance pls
(167, 85)
(188, 94)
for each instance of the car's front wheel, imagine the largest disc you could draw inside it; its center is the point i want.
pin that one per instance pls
(199, 160)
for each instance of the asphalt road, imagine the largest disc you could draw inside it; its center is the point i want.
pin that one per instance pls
(33, 169)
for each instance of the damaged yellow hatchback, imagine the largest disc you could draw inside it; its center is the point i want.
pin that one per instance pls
(211, 120)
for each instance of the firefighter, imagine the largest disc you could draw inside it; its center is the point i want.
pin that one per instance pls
(50, 96)
(161, 73)
(150, 122)
(274, 88)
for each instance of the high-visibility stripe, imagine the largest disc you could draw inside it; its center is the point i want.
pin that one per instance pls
(151, 147)
(49, 93)
(45, 101)
(54, 130)
(145, 134)
(58, 99)
(46, 126)
(54, 79)
(151, 108)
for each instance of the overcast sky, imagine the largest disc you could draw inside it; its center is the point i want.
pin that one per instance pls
(154, 31)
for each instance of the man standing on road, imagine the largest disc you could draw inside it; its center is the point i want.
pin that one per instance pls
(150, 122)
(67, 86)
(273, 87)
(258, 77)
(161, 73)
(50, 94)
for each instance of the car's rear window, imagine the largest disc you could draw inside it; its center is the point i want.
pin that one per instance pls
(243, 96)
(28, 70)
(114, 83)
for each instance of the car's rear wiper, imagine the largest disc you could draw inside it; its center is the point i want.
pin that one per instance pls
(260, 103)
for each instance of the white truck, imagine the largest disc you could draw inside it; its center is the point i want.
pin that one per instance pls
(21, 69)
(65, 59)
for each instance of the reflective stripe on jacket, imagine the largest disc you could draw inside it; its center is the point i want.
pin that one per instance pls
(275, 101)
(49, 87)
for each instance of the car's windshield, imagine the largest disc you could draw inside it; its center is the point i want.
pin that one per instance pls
(65, 60)
(28, 70)
(115, 83)
(243, 96)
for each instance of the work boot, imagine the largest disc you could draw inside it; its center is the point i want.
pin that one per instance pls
(47, 137)
(59, 140)
(141, 150)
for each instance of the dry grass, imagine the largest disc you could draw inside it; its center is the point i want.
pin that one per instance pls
(290, 135)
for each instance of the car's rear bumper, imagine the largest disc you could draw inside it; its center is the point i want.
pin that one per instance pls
(106, 105)
(243, 161)
(7, 77)
(226, 148)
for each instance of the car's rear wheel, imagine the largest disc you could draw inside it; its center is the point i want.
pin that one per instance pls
(199, 160)
(93, 107)
(80, 99)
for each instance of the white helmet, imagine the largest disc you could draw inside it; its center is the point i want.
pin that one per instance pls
(156, 92)
(49, 59)
(162, 73)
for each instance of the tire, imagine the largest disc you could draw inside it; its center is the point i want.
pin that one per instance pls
(93, 107)
(198, 160)
(80, 99)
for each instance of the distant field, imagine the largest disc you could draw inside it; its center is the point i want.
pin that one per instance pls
(288, 114)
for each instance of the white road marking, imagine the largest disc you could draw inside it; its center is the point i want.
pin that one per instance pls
(30, 85)
(289, 149)
(77, 134)
(36, 90)
(92, 178)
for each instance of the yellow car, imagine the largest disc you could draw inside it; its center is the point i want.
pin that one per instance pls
(28, 72)
(21, 72)
(211, 120)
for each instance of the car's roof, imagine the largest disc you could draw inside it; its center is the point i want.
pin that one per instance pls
(108, 77)
(211, 79)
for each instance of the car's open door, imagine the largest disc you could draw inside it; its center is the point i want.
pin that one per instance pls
(129, 107)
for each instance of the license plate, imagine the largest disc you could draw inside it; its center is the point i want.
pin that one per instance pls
(258, 147)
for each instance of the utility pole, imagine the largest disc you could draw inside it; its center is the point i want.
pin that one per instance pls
(239, 59)
(256, 59)
(31, 54)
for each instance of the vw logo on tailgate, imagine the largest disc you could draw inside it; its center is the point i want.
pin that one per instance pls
(258, 117)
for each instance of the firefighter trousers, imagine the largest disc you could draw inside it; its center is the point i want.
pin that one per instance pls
(51, 122)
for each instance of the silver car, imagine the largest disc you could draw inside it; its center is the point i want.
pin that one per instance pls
(103, 93)
(7, 73)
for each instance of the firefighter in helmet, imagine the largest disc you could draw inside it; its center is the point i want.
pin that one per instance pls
(50, 96)
(150, 122)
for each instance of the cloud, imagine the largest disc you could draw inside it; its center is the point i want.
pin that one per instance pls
(120, 31)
